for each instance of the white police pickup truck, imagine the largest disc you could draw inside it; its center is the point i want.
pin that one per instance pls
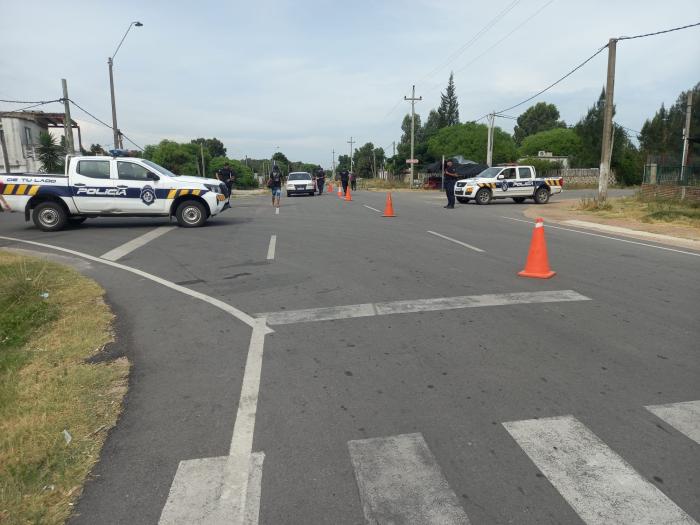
(514, 182)
(111, 187)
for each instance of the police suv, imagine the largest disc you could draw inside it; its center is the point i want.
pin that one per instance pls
(111, 186)
(514, 182)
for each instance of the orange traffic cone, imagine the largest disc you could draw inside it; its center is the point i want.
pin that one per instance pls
(537, 264)
(330, 187)
(348, 197)
(388, 207)
(340, 191)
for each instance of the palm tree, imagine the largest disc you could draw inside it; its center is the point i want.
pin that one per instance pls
(49, 153)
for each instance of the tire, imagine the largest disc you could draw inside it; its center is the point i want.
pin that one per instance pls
(191, 214)
(541, 195)
(518, 200)
(483, 196)
(75, 221)
(50, 216)
(311, 194)
(289, 194)
(463, 200)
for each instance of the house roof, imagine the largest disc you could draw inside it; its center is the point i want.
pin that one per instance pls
(49, 120)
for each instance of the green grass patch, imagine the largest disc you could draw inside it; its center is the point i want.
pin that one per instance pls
(685, 213)
(52, 320)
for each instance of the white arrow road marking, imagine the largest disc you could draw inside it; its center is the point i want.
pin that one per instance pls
(128, 247)
(418, 305)
(600, 486)
(401, 482)
(684, 417)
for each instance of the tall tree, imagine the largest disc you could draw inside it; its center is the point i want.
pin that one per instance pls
(406, 128)
(559, 141)
(469, 140)
(365, 159)
(343, 163)
(540, 117)
(432, 125)
(214, 146)
(449, 106)
(50, 153)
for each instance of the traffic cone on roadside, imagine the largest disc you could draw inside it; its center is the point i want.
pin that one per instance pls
(348, 196)
(330, 187)
(537, 264)
(340, 191)
(388, 207)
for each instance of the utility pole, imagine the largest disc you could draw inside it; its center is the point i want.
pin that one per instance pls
(393, 147)
(489, 140)
(374, 164)
(201, 151)
(3, 147)
(605, 154)
(686, 134)
(413, 100)
(333, 163)
(67, 122)
(351, 142)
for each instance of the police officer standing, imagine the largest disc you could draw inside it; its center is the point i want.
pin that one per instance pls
(450, 178)
(344, 178)
(227, 176)
(320, 179)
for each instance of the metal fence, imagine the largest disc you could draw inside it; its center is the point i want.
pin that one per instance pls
(672, 175)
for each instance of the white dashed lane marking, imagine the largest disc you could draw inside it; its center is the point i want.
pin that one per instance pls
(373, 209)
(271, 248)
(456, 241)
(128, 247)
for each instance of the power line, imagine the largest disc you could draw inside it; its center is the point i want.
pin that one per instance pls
(88, 113)
(556, 82)
(471, 41)
(134, 143)
(657, 32)
(29, 101)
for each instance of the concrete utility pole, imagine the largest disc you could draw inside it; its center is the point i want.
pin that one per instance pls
(67, 122)
(393, 146)
(351, 142)
(3, 147)
(333, 163)
(686, 134)
(201, 151)
(110, 62)
(605, 154)
(413, 100)
(489, 140)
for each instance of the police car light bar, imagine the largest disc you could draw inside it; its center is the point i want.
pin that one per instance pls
(119, 153)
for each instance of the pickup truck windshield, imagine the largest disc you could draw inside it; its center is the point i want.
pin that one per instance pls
(159, 168)
(489, 173)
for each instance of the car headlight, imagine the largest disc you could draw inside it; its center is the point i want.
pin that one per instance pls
(213, 187)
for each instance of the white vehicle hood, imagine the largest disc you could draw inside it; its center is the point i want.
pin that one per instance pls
(200, 180)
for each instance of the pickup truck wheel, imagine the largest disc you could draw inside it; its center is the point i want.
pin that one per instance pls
(50, 216)
(463, 200)
(542, 196)
(483, 196)
(518, 200)
(191, 214)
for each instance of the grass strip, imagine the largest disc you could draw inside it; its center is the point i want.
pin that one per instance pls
(52, 320)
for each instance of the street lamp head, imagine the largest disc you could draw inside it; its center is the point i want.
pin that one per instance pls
(138, 24)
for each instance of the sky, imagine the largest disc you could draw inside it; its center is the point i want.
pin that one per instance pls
(304, 76)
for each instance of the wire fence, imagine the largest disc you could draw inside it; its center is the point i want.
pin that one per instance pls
(671, 175)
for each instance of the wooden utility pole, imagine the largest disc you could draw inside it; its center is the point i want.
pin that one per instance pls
(606, 151)
(201, 151)
(333, 163)
(686, 134)
(67, 122)
(413, 100)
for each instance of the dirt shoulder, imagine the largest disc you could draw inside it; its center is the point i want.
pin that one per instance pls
(674, 234)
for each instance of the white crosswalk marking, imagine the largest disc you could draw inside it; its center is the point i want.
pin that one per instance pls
(401, 482)
(684, 417)
(600, 486)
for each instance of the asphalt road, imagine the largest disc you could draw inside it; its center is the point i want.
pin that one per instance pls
(408, 405)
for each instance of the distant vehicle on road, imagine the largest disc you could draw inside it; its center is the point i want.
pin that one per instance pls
(514, 182)
(300, 183)
(109, 186)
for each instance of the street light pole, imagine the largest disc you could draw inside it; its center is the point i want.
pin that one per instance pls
(110, 63)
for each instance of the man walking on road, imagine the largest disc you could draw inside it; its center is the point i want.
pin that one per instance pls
(353, 181)
(344, 178)
(320, 179)
(450, 180)
(275, 184)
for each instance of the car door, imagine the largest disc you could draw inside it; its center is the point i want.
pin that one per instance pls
(92, 187)
(509, 177)
(137, 187)
(524, 185)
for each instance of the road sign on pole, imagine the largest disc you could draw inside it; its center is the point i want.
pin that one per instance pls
(411, 161)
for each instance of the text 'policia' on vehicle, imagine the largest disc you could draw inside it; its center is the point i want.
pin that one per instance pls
(111, 187)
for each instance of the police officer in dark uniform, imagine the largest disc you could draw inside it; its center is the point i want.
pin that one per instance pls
(227, 176)
(344, 179)
(450, 179)
(320, 179)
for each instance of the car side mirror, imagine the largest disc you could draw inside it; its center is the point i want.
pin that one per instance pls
(152, 176)
(501, 177)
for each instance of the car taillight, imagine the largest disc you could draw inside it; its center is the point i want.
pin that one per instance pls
(562, 182)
